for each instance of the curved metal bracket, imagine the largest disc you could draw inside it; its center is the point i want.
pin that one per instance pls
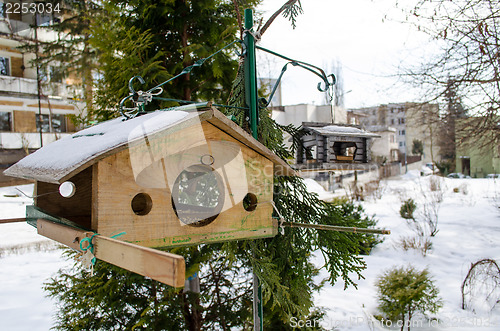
(309, 67)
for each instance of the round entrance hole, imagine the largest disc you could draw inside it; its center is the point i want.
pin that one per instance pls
(198, 195)
(250, 202)
(141, 204)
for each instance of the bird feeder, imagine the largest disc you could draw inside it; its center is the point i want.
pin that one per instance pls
(168, 178)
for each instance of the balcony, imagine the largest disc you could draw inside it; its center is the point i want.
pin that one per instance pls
(29, 86)
(9, 26)
(22, 27)
(16, 140)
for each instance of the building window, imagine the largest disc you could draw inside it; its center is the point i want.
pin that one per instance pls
(392, 121)
(393, 138)
(5, 121)
(395, 155)
(55, 74)
(4, 66)
(58, 123)
(51, 74)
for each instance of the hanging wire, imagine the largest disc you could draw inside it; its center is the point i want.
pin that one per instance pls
(36, 196)
(141, 98)
(192, 102)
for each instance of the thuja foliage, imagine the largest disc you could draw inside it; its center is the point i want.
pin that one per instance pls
(116, 299)
(406, 292)
(157, 40)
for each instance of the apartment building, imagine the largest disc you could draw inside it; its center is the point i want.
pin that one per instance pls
(411, 122)
(34, 105)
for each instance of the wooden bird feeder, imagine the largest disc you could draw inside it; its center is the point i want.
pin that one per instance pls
(179, 177)
(327, 145)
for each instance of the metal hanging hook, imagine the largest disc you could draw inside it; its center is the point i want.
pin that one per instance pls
(131, 81)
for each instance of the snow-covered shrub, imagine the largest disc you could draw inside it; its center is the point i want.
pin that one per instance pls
(405, 292)
(481, 286)
(464, 189)
(430, 201)
(420, 243)
(435, 184)
(375, 189)
(355, 192)
(407, 209)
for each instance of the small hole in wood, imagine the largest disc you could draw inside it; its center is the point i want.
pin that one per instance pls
(142, 204)
(250, 202)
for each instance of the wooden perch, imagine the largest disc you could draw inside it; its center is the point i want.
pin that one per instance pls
(12, 220)
(335, 228)
(164, 267)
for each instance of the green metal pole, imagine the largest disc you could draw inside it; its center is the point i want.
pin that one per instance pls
(250, 73)
(251, 102)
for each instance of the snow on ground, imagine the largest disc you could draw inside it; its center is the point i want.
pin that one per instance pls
(27, 260)
(469, 230)
(314, 187)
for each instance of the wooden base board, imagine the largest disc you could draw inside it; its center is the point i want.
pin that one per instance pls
(164, 267)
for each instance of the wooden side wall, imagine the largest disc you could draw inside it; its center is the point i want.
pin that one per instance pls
(77, 208)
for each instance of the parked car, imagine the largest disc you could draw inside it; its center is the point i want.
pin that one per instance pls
(493, 176)
(433, 167)
(456, 175)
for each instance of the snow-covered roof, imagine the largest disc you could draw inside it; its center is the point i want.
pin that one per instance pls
(66, 157)
(347, 131)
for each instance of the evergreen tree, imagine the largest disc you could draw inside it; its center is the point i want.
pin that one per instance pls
(417, 147)
(157, 40)
(406, 292)
(114, 299)
(454, 110)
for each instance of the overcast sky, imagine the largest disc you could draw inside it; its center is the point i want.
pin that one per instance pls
(352, 31)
